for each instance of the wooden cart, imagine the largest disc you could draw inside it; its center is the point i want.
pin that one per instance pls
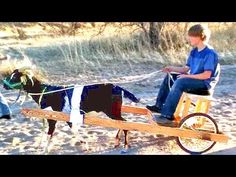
(196, 132)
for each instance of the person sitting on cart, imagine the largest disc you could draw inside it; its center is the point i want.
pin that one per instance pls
(200, 74)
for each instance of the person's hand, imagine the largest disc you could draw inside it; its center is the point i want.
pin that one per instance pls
(167, 69)
(183, 76)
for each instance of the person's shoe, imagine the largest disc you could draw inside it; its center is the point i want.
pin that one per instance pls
(154, 108)
(5, 117)
(164, 120)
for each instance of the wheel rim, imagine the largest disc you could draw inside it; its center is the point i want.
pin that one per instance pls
(193, 122)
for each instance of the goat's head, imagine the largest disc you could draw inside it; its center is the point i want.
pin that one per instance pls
(19, 78)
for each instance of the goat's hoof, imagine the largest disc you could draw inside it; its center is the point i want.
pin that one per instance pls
(117, 143)
(125, 149)
(126, 146)
(116, 146)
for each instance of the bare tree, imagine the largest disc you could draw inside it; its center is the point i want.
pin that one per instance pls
(152, 30)
(154, 33)
(63, 28)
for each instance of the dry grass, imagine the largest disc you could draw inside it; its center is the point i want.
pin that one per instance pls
(9, 65)
(91, 49)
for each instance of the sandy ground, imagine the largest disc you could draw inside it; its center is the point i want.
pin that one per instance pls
(22, 135)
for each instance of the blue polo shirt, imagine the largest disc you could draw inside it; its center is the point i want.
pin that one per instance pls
(205, 60)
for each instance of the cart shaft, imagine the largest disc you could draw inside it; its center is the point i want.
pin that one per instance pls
(125, 125)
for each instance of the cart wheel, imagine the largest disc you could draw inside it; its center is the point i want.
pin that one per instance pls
(198, 122)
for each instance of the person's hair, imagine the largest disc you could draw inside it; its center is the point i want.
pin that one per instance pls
(200, 31)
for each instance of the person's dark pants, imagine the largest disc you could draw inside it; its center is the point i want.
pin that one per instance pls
(168, 99)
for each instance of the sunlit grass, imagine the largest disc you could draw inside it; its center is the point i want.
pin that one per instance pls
(90, 50)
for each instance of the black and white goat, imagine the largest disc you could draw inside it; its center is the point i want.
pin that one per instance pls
(106, 98)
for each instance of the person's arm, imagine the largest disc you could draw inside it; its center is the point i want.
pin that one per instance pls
(202, 76)
(209, 67)
(182, 70)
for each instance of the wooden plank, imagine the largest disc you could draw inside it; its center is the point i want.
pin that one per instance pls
(155, 129)
(138, 110)
(186, 107)
(198, 105)
(135, 110)
(207, 107)
(179, 107)
(39, 113)
(125, 125)
(150, 117)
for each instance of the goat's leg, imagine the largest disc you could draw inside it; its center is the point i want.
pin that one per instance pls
(52, 126)
(46, 148)
(126, 142)
(45, 142)
(126, 146)
(69, 124)
(117, 139)
(84, 143)
(48, 139)
(116, 115)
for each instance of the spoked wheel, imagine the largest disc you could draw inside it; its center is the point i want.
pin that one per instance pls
(197, 122)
